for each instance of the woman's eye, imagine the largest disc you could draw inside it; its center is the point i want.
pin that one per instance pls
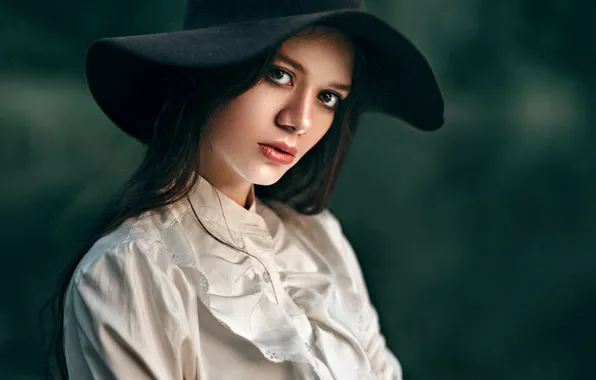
(280, 76)
(330, 99)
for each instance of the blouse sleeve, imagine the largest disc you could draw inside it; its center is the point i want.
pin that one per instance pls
(127, 321)
(383, 362)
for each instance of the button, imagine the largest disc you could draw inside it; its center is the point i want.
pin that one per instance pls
(266, 277)
(307, 345)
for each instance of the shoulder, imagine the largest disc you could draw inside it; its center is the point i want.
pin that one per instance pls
(324, 220)
(128, 272)
(325, 224)
(323, 232)
(332, 228)
(137, 244)
(327, 220)
(126, 301)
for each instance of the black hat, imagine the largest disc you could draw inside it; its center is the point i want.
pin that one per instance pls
(122, 71)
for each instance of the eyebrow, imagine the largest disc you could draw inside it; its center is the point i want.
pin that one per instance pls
(298, 66)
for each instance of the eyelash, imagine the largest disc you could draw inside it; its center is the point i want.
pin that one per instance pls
(277, 68)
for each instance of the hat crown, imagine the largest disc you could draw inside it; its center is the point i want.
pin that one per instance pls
(205, 13)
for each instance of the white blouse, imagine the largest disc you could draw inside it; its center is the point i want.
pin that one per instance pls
(159, 298)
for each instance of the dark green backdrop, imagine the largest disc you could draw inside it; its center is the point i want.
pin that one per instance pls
(478, 242)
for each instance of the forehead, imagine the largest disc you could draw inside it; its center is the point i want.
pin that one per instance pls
(321, 34)
(320, 42)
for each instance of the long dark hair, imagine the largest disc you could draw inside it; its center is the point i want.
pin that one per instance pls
(170, 167)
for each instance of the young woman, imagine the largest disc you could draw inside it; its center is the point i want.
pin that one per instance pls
(220, 260)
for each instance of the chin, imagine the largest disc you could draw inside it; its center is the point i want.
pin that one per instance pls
(265, 176)
(266, 181)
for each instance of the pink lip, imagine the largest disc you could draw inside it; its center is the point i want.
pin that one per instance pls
(280, 145)
(275, 155)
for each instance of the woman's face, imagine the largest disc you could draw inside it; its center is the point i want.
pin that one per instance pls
(294, 104)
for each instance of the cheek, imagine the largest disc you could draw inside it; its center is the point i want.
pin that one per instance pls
(311, 139)
(249, 115)
(229, 123)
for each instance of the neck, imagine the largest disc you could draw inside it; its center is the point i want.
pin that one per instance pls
(240, 191)
(225, 179)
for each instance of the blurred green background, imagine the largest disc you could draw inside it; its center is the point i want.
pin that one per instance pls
(477, 242)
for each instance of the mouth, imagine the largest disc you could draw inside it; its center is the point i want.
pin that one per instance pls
(276, 154)
(281, 147)
(278, 149)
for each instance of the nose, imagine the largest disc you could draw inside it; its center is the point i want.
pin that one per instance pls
(296, 114)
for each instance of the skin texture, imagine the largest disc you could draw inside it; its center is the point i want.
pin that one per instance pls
(293, 105)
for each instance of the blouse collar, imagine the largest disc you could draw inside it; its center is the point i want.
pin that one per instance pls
(213, 206)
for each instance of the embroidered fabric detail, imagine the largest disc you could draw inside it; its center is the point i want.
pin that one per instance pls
(203, 289)
(279, 356)
(181, 258)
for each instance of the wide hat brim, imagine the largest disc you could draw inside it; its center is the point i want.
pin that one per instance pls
(123, 72)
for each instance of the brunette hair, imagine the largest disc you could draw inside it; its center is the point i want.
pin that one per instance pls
(170, 167)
